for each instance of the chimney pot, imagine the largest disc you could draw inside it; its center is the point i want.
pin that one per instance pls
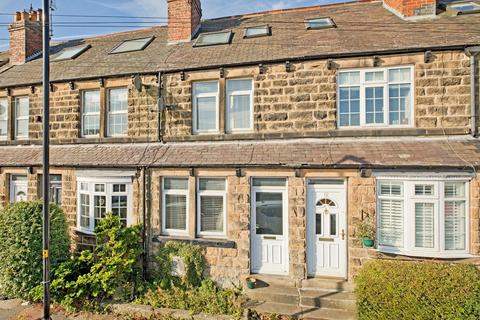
(25, 36)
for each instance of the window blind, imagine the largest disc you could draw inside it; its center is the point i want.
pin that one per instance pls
(175, 212)
(211, 211)
(455, 225)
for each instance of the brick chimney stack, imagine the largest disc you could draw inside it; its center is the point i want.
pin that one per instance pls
(184, 18)
(412, 9)
(25, 36)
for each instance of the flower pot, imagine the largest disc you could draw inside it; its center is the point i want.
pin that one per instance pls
(368, 243)
(251, 283)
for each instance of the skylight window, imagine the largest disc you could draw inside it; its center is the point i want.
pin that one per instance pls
(320, 23)
(71, 53)
(463, 7)
(213, 38)
(257, 31)
(133, 45)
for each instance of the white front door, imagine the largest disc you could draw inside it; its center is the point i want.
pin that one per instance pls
(326, 228)
(18, 188)
(269, 227)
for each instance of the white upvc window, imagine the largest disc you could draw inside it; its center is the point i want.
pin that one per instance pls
(3, 119)
(211, 207)
(91, 113)
(117, 112)
(206, 107)
(375, 97)
(98, 196)
(21, 117)
(175, 206)
(426, 218)
(239, 105)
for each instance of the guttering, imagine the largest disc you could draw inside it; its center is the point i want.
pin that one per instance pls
(257, 62)
(472, 52)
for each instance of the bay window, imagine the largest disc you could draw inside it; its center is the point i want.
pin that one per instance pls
(205, 107)
(3, 118)
(239, 105)
(175, 206)
(98, 196)
(211, 207)
(375, 97)
(117, 117)
(422, 218)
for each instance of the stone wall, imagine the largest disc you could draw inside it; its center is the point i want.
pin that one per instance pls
(303, 101)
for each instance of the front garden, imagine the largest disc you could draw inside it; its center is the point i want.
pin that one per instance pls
(91, 281)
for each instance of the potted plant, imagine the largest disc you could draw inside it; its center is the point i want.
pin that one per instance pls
(251, 282)
(366, 230)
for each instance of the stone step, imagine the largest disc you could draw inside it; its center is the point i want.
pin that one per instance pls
(333, 284)
(327, 314)
(328, 299)
(275, 294)
(279, 309)
(272, 280)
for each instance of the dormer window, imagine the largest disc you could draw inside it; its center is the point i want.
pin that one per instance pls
(463, 8)
(71, 53)
(320, 23)
(133, 45)
(213, 38)
(257, 31)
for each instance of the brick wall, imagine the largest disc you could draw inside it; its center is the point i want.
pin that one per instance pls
(183, 19)
(412, 8)
(25, 36)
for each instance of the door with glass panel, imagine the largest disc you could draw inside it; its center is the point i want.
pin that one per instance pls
(269, 226)
(18, 188)
(326, 228)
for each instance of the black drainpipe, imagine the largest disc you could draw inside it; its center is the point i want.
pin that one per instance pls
(144, 227)
(472, 52)
(160, 107)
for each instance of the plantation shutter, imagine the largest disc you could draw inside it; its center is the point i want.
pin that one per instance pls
(424, 232)
(454, 214)
(391, 222)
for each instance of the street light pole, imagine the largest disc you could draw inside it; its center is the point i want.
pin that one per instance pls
(46, 158)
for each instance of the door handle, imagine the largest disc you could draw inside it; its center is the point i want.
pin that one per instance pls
(343, 234)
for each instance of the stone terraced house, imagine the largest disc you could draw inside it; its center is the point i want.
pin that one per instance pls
(263, 137)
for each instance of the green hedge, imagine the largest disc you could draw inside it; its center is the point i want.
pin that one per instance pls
(418, 290)
(21, 247)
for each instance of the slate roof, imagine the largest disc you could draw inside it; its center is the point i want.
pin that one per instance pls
(329, 153)
(362, 28)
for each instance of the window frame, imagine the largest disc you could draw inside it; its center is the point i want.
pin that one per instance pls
(200, 193)
(363, 85)
(268, 32)
(77, 51)
(195, 96)
(183, 192)
(108, 193)
(147, 43)
(331, 24)
(7, 117)
(108, 112)
(198, 43)
(17, 118)
(228, 95)
(83, 114)
(438, 199)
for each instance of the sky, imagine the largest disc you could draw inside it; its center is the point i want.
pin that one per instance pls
(132, 8)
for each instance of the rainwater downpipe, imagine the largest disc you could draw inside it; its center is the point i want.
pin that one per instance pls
(160, 107)
(473, 52)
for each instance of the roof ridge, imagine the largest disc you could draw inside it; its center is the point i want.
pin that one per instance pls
(306, 8)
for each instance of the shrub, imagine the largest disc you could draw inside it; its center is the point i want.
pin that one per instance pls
(192, 259)
(21, 246)
(191, 291)
(111, 271)
(418, 290)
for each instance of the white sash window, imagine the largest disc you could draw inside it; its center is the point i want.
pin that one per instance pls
(206, 107)
(175, 206)
(239, 105)
(211, 207)
(3, 118)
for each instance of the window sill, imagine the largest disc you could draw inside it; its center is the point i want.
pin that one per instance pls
(427, 255)
(214, 243)
(84, 232)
